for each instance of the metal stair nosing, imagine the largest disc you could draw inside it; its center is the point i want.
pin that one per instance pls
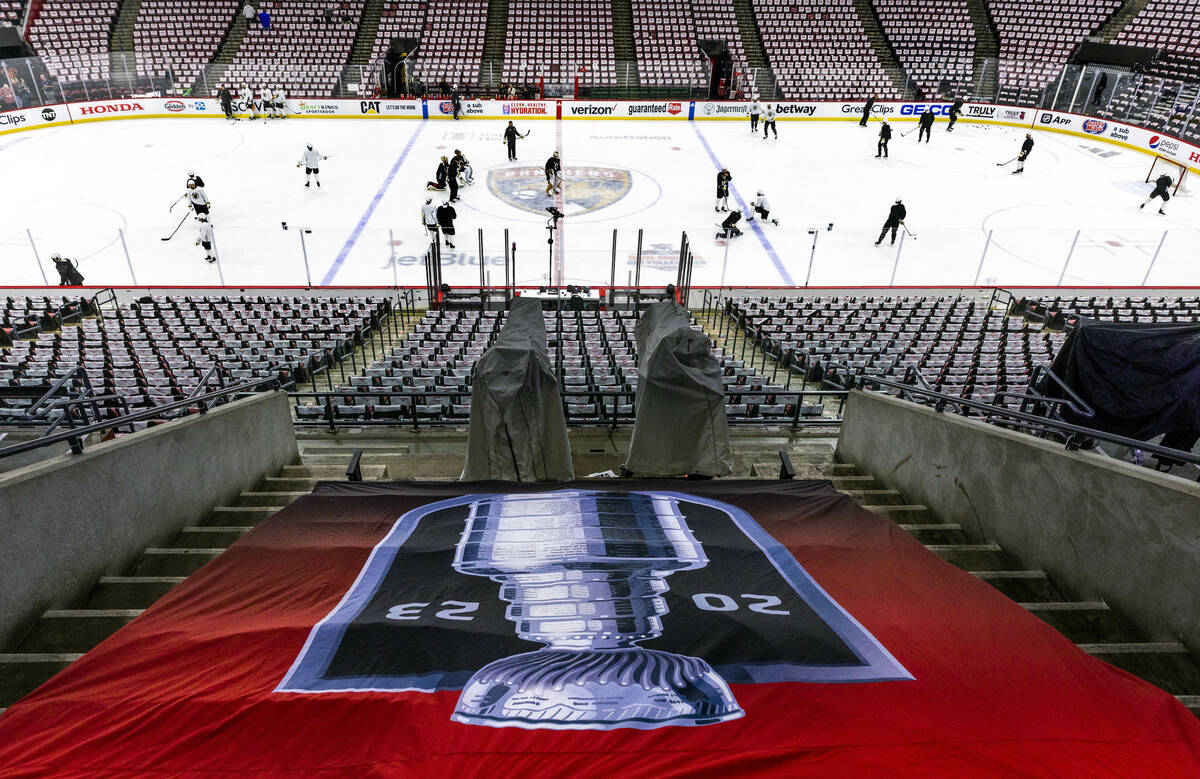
(494, 40)
(1119, 19)
(120, 39)
(884, 51)
(364, 41)
(756, 53)
(987, 47)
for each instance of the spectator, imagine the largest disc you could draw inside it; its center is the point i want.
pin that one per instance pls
(264, 19)
(250, 15)
(7, 99)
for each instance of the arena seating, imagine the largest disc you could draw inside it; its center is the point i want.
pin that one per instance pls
(934, 42)
(552, 41)
(452, 43)
(1169, 25)
(664, 36)
(1037, 37)
(301, 51)
(716, 20)
(72, 37)
(11, 12)
(593, 352)
(155, 352)
(819, 50)
(176, 39)
(399, 19)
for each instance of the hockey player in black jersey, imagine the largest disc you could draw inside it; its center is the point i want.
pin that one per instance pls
(452, 170)
(895, 218)
(955, 110)
(445, 219)
(729, 228)
(192, 177)
(925, 123)
(1026, 147)
(510, 137)
(885, 135)
(1162, 188)
(723, 179)
(867, 110)
(553, 174)
(439, 182)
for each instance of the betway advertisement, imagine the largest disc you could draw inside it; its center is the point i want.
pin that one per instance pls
(33, 118)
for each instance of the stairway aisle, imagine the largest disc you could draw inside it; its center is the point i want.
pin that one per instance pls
(624, 48)
(987, 52)
(122, 65)
(354, 71)
(756, 54)
(62, 636)
(1092, 626)
(884, 51)
(494, 39)
(221, 61)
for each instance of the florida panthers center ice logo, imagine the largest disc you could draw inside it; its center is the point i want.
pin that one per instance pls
(585, 188)
(592, 609)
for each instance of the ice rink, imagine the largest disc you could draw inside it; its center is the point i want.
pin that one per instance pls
(74, 188)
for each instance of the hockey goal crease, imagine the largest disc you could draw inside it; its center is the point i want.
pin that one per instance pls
(1177, 171)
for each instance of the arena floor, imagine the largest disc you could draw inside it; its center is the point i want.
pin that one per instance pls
(73, 187)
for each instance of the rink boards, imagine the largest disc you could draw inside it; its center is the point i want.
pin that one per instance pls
(1126, 135)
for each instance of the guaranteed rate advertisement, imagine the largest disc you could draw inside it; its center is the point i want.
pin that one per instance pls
(634, 628)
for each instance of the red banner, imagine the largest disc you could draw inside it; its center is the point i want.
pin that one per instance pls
(588, 629)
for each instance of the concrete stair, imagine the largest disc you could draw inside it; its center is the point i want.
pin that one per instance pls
(206, 85)
(1120, 18)
(494, 38)
(987, 51)
(364, 45)
(61, 636)
(624, 49)
(884, 51)
(1091, 625)
(122, 64)
(756, 54)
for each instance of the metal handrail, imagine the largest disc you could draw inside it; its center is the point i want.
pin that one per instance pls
(1076, 436)
(74, 437)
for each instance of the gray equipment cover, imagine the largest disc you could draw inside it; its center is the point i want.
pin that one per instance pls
(681, 428)
(517, 431)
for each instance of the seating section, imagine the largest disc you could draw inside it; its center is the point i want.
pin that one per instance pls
(399, 19)
(429, 375)
(452, 43)
(302, 51)
(156, 351)
(72, 37)
(1169, 25)
(664, 36)
(935, 43)
(716, 20)
(958, 344)
(11, 12)
(819, 50)
(1037, 37)
(178, 39)
(552, 40)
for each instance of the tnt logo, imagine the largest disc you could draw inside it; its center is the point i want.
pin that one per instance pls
(48, 115)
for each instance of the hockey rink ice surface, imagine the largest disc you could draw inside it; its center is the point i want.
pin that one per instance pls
(74, 187)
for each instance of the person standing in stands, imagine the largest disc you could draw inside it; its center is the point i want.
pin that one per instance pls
(867, 110)
(250, 15)
(264, 18)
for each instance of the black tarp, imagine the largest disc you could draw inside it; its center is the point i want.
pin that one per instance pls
(1142, 380)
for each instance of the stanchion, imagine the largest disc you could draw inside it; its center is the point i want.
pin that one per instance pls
(896, 264)
(1063, 275)
(37, 259)
(1153, 259)
(129, 262)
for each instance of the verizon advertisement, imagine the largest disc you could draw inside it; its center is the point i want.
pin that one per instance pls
(621, 109)
(32, 118)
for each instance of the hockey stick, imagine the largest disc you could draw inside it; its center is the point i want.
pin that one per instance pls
(1002, 164)
(172, 208)
(905, 135)
(910, 233)
(181, 221)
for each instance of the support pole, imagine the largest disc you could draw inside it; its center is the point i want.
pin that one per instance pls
(392, 259)
(37, 259)
(129, 262)
(896, 264)
(979, 270)
(304, 251)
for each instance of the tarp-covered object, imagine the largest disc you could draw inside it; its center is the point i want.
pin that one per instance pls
(518, 431)
(338, 639)
(681, 428)
(1142, 380)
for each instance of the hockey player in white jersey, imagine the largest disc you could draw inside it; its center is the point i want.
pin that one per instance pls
(311, 160)
(280, 100)
(268, 101)
(205, 239)
(197, 199)
(762, 209)
(429, 218)
(247, 96)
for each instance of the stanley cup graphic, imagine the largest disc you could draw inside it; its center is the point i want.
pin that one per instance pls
(584, 572)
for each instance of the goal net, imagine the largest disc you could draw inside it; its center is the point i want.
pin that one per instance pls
(1177, 172)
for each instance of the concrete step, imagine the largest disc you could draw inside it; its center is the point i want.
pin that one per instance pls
(75, 630)
(279, 499)
(368, 450)
(936, 533)
(903, 514)
(1191, 701)
(328, 472)
(1082, 621)
(208, 537)
(291, 484)
(856, 482)
(174, 562)
(130, 592)
(240, 516)
(425, 467)
(877, 497)
(972, 557)
(1022, 586)
(1164, 664)
(21, 674)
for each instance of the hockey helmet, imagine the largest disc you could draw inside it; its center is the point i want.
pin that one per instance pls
(897, 200)
(56, 256)
(202, 217)
(310, 147)
(191, 185)
(760, 194)
(555, 154)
